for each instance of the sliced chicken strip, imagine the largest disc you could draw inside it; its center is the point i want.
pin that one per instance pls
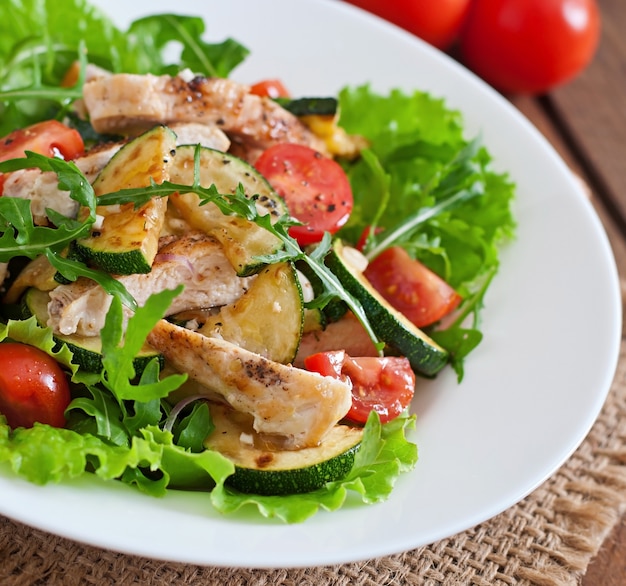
(42, 189)
(129, 103)
(194, 260)
(203, 134)
(299, 405)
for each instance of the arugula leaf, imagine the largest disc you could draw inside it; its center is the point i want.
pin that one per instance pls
(418, 159)
(154, 34)
(117, 358)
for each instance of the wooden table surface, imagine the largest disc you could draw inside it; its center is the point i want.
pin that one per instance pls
(585, 120)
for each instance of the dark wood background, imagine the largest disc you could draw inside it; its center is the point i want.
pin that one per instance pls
(585, 120)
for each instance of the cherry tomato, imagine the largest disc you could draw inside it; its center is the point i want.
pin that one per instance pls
(438, 22)
(314, 187)
(50, 138)
(410, 287)
(382, 384)
(360, 245)
(33, 387)
(270, 88)
(529, 46)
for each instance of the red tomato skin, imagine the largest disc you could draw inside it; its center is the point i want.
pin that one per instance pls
(270, 88)
(326, 363)
(382, 384)
(410, 287)
(33, 387)
(50, 138)
(437, 22)
(315, 188)
(530, 46)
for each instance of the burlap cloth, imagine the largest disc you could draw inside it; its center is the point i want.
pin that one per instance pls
(547, 539)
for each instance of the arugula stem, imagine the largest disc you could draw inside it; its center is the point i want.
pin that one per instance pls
(416, 219)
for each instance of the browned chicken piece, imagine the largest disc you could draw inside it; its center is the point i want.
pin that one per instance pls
(130, 103)
(42, 188)
(196, 133)
(194, 260)
(346, 334)
(299, 405)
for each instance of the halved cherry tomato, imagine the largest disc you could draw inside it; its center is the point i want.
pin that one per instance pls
(382, 384)
(314, 187)
(410, 287)
(50, 138)
(270, 88)
(33, 387)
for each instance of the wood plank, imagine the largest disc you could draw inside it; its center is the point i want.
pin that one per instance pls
(592, 113)
(608, 568)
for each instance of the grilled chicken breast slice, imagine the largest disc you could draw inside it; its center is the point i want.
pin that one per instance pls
(298, 405)
(194, 260)
(42, 188)
(130, 103)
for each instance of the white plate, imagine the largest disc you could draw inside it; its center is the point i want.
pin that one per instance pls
(532, 389)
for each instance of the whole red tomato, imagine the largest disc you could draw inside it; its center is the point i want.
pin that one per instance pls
(529, 46)
(436, 21)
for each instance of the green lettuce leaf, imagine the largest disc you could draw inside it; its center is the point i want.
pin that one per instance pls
(418, 160)
(384, 454)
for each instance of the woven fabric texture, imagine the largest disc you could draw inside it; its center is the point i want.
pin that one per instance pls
(548, 539)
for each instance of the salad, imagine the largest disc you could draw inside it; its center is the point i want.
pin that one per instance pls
(213, 314)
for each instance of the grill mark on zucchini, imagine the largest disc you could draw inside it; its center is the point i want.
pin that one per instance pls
(243, 240)
(127, 241)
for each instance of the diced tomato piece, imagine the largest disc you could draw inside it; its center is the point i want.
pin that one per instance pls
(411, 287)
(270, 88)
(382, 384)
(50, 138)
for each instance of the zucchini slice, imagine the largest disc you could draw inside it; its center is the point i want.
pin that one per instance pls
(267, 319)
(87, 351)
(425, 355)
(37, 273)
(310, 106)
(262, 468)
(126, 241)
(243, 240)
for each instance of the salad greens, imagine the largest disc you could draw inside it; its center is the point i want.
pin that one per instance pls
(40, 39)
(418, 159)
(123, 428)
